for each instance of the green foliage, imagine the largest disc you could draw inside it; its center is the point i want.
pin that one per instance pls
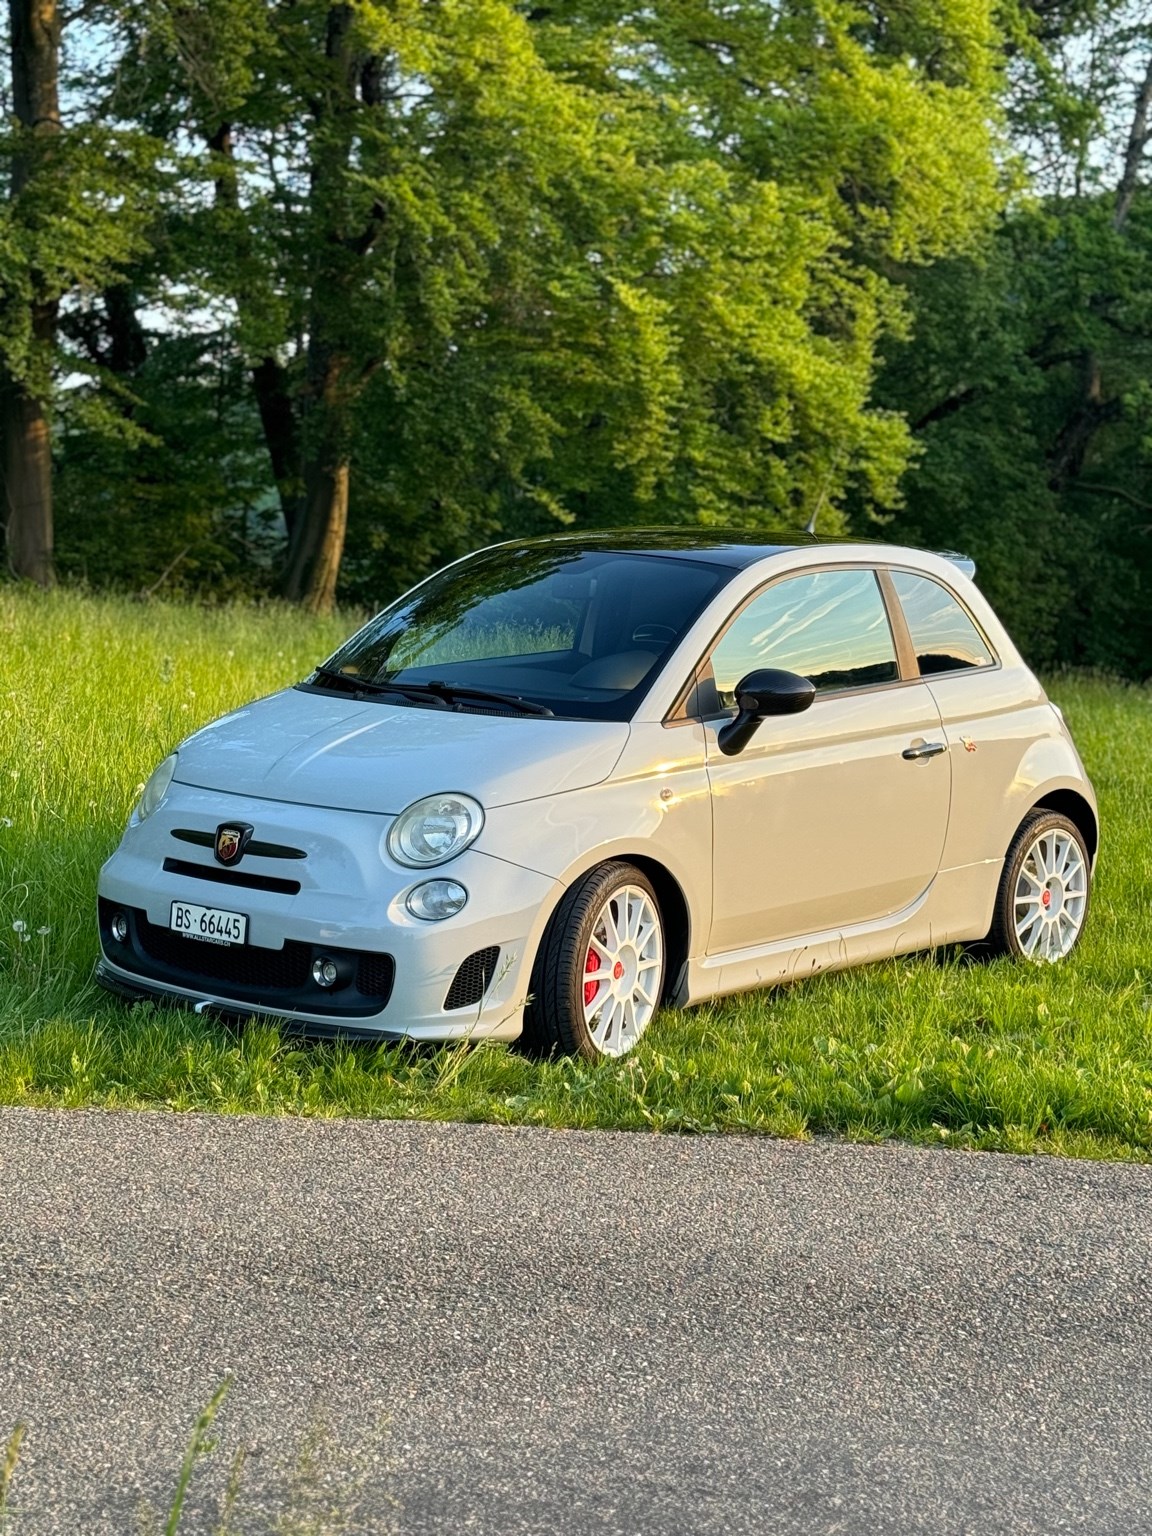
(1003, 1055)
(1026, 376)
(524, 266)
(160, 480)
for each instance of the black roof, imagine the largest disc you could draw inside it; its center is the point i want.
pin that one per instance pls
(735, 548)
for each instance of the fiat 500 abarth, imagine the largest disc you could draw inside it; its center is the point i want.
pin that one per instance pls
(564, 781)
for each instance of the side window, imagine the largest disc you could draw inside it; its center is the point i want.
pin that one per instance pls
(943, 636)
(830, 626)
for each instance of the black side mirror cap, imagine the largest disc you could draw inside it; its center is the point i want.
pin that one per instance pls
(760, 694)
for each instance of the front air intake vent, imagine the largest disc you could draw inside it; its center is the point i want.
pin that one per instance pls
(472, 979)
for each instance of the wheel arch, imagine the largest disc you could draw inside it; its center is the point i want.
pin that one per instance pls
(1068, 802)
(674, 909)
(677, 920)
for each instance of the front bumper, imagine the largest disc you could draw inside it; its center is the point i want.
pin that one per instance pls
(400, 978)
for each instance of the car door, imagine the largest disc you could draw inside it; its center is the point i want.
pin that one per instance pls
(836, 816)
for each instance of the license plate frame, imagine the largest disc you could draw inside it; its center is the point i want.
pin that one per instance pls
(208, 925)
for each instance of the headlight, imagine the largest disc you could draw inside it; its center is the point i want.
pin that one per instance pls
(156, 788)
(434, 830)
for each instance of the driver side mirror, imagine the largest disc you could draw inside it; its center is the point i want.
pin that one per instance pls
(760, 694)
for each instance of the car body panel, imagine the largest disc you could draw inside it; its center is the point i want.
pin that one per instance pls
(311, 748)
(1009, 749)
(820, 820)
(656, 806)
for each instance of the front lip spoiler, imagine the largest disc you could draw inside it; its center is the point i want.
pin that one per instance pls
(140, 990)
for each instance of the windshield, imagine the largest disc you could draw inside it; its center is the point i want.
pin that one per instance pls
(582, 632)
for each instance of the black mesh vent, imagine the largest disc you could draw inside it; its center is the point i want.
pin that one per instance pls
(249, 973)
(244, 963)
(471, 981)
(374, 975)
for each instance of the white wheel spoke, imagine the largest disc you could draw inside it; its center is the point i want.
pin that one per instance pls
(628, 1024)
(612, 935)
(627, 944)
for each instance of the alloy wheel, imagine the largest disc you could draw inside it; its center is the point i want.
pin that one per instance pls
(622, 970)
(1051, 896)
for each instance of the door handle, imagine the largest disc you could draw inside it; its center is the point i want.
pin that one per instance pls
(925, 749)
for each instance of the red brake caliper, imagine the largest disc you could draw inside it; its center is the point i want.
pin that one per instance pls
(592, 963)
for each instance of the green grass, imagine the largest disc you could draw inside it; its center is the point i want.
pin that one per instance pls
(95, 691)
(323, 1487)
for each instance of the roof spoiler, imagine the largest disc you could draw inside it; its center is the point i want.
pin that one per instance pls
(963, 563)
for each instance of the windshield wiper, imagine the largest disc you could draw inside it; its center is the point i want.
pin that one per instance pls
(359, 686)
(452, 691)
(439, 695)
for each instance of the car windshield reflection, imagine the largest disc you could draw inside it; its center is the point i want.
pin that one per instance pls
(582, 633)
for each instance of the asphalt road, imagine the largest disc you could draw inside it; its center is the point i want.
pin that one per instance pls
(462, 1328)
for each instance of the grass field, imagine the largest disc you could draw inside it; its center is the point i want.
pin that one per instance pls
(94, 692)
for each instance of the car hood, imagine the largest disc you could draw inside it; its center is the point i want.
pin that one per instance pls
(321, 749)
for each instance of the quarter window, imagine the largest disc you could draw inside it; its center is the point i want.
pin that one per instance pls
(829, 626)
(943, 636)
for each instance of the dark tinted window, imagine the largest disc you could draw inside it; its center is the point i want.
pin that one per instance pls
(944, 637)
(830, 626)
(583, 631)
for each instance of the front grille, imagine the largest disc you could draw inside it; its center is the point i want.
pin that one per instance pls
(249, 973)
(255, 849)
(244, 963)
(471, 981)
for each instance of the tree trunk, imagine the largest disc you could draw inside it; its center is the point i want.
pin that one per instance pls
(269, 377)
(27, 442)
(317, 545)
(1138, 136)
(27, 457)
(316, 542)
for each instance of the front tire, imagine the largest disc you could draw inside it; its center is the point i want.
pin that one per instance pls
(1042, 902)
(599, 972)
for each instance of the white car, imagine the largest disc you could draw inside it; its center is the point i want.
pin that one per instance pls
(564, 781)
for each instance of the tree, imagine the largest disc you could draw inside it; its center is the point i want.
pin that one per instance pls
(27, 458)
(1027, 380)
(493, 266)
(72, 217)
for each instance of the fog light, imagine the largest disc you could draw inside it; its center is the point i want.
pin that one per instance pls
(436, 899)
(324, 972)
(119, 926)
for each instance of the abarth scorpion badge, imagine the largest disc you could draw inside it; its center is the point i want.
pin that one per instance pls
(231, 841)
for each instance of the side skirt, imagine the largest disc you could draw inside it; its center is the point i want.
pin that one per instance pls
(956, 908)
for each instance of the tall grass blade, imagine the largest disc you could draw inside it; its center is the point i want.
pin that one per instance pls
(7, 1472)
(199, 1445)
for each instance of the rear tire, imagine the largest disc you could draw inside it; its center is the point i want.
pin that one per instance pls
(1045, 888)
(599, 973)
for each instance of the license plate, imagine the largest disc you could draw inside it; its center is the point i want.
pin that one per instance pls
(208, 923)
